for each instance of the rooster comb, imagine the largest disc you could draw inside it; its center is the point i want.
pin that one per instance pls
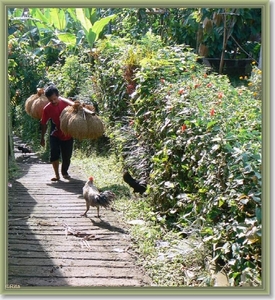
(91, 178)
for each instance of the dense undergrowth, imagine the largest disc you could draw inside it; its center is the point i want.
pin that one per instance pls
(197, 141)
(191, 134)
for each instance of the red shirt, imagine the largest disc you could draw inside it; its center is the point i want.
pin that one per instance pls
(53, 112)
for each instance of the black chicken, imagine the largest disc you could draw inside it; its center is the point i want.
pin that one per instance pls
(139, 186)
(24, 149)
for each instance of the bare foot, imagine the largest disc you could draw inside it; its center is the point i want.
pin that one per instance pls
(55, 179)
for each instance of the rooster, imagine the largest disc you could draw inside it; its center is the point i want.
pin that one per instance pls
(139, 186)
(95, 198)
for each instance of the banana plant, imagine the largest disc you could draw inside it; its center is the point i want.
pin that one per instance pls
(56, 20)
(91, 25)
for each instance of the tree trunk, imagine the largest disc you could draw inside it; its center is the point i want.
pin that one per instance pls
(224, 44)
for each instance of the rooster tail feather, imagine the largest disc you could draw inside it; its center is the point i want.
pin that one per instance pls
(105, 198)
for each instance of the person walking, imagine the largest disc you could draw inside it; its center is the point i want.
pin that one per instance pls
(61, 145)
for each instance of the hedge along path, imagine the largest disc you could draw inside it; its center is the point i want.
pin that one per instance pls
(50, 244)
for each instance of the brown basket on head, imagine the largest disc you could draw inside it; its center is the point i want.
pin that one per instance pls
(78, 123)
(35, 103)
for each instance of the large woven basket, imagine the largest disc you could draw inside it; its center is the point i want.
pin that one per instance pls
(80, 124)
(35, 103)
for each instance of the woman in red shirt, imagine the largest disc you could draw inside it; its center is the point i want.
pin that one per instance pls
(61, 145)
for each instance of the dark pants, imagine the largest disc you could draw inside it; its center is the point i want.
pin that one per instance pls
(65, 148)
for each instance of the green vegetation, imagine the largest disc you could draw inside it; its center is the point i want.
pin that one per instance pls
(198, 141)
(193, 135)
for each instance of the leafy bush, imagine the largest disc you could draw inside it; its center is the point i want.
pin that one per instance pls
(207, 159)
(255, 82)
(199, 139)
(25, 70)
(71, 75)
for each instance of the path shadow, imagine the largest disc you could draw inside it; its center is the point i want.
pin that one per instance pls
(28, 262)
(106, 225)
(72, 185)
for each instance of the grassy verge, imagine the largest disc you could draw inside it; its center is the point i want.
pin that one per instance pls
(168, 258)
(13, 169)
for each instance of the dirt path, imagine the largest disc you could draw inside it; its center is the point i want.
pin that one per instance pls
(50, 244)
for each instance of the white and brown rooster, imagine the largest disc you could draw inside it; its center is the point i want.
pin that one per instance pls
(95, 198)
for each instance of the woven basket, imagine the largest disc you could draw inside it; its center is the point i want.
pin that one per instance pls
(78, 123)
(35, 103)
